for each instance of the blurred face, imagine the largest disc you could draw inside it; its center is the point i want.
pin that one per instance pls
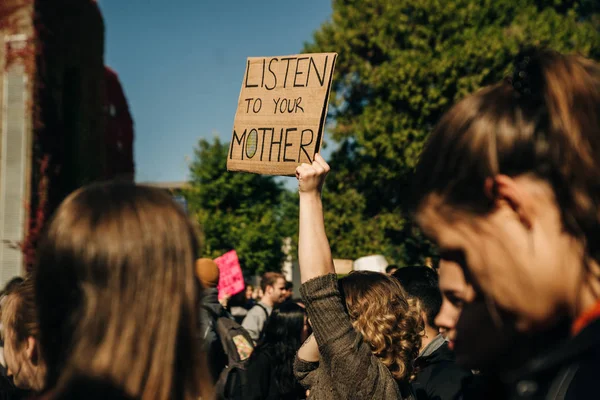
(249, 291)
(455, 291)
(477, 338)
(277, 292)
(515, 256)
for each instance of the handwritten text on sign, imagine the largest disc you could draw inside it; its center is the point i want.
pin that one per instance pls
(231, 279)
(281, 113)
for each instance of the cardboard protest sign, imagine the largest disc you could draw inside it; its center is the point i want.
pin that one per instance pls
(281, 113)
(231, 279)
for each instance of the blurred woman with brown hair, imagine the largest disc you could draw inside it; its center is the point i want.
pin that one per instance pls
(509, 188)
(20, 331)
(117, 297)
(367, 333)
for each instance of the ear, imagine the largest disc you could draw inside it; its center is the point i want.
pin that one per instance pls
(31, 348)
(504, 190)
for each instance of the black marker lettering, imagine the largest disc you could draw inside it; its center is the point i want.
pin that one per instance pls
(259, 102)
(283, 107)
(276, 102)
(247, 74)
(296, 74)
(286, 68)
(262, 146)
(302, 144)
(240, 140)
(287, 144)
(262, 81)
(298, 101)
(319, 77)
(249, 99)
(274, 76)
(278, 143)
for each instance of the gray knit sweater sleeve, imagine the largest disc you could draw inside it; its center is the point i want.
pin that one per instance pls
(353, 370)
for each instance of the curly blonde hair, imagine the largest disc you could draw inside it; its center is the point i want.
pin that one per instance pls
(389, 321)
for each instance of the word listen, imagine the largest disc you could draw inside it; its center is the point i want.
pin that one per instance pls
(300, 71)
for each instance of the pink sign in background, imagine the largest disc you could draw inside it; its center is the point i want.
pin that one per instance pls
(231, 279)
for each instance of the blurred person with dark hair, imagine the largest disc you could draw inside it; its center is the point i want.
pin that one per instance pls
(390, 269)
(438, 376)
(289, 291)
(270, 370)
(273, 287)
(117, 297)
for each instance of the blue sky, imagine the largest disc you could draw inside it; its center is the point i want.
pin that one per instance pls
(181, 63)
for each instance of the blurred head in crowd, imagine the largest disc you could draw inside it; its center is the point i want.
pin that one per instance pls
(116, 293)
(390, 269)
(289, 290)
(207, 272)
(10, 286)
(273, 287)
(388, 320)
(249, 292)
(508, 189)
(478, 341)
(21, 333)
(421, 283)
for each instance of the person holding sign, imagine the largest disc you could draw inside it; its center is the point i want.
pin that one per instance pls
(350, 355)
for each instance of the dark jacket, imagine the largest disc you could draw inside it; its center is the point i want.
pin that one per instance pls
(87, 388)
(262, 381)
(568, 372)
(438, 376)
(217, 359)
(348, 369)
(8, 391)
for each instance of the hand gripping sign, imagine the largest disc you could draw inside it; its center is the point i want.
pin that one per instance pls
(281, 113)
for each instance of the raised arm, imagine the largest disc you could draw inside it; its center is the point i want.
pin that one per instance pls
(314, 254)
(346, 360)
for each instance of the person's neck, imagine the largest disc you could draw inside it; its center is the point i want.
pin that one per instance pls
(267, 301)
(587, 297)
(430, 334)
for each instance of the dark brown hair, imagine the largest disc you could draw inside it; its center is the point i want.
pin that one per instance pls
(117, 295)
(269, 279)
(388, 320)
(544, 122)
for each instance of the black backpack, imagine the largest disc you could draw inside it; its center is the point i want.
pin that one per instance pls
(238, 346)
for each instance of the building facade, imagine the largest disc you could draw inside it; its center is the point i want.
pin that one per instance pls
(53, 116)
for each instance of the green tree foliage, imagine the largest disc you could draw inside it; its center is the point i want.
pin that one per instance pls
(245, 212)
(401, 64)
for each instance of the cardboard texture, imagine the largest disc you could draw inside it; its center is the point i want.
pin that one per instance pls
(281, 113)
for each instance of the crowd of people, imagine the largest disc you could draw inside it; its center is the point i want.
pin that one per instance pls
(121, 306)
